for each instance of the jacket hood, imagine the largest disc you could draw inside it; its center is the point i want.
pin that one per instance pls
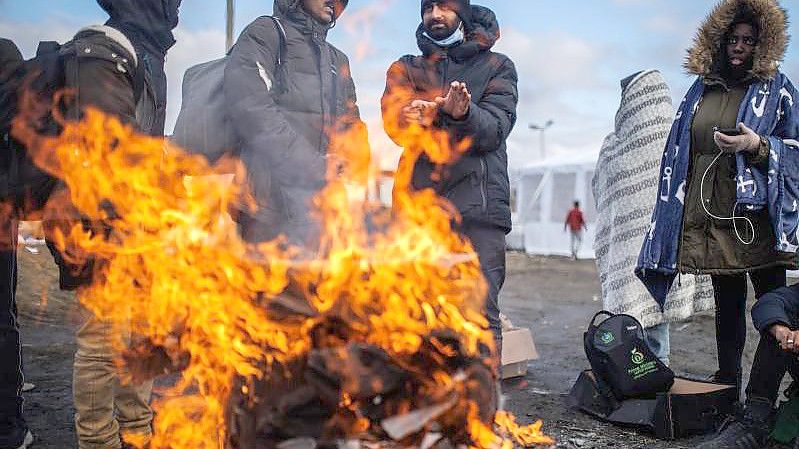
(482, 33)
(10, 59)
(705, 57)
(148, 23)
(292, 11)
(645, 98)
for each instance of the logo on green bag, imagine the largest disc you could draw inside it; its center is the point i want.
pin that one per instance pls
(637, 357)
(607, 337)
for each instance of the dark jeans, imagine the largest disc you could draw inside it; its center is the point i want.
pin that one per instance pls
(489, 243)
(10, 355)
(731, 316)
(770, 366)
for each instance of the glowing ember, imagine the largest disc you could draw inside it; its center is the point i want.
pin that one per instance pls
(398, 287)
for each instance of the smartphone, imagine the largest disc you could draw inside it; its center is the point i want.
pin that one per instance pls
(728, 131)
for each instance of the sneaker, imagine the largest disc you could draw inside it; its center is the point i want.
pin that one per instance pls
(744, 431)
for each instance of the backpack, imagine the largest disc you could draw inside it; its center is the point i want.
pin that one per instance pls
(621, 360)
(23, 183)
(203, 126)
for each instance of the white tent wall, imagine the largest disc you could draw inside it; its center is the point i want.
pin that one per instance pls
(545, 194)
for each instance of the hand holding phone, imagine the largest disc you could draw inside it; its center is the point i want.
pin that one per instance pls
(734, 140)
(728, 131)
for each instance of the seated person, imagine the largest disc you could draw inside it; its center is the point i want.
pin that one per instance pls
(776, 316)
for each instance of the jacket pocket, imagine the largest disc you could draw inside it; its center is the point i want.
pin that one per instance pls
(464, 193)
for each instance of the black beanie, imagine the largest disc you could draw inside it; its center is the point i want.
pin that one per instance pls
(462, 8)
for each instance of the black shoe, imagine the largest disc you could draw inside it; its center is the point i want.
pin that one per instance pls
(15, 435)
(745, 431)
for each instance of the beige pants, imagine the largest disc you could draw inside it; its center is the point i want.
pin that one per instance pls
(104, 406)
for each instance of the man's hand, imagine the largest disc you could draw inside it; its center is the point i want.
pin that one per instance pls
(788, 339)
(747, 141)
(456, 103)
(420, 112)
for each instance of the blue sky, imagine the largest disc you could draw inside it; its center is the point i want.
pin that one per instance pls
(570, 54)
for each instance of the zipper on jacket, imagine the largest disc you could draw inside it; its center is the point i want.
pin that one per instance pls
(445, 75)
(483, 182)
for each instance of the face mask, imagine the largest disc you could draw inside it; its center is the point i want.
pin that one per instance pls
(454, 39)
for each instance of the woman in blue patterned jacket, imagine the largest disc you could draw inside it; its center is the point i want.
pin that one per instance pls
(727, 200)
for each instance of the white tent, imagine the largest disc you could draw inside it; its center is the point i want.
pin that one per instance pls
(545, 192)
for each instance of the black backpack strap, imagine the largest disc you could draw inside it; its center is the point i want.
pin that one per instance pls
(280, 71)
(140, 79)
(280, 68)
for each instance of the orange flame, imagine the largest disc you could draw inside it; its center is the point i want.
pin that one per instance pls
(176, 272)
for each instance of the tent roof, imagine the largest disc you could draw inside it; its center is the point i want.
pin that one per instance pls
(583, 160)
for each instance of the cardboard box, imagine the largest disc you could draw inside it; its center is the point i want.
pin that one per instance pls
(689, 408)
(518, 348)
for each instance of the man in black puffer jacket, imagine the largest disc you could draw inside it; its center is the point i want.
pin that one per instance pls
(459, 85)
(285, 120)
(119, 69)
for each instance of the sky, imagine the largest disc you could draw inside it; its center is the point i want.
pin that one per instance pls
(570, 54)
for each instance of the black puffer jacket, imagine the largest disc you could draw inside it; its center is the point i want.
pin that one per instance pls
(778, 307)
(10, 58)
(285, 135)
(477, 184)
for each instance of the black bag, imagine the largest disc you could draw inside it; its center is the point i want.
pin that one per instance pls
(42, 78)
(21, 182)
(625, 366)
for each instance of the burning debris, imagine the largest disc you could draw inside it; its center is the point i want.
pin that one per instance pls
(376, 340)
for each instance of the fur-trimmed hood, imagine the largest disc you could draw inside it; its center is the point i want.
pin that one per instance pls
(703, 57)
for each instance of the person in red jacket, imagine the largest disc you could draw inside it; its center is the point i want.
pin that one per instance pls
(575, 224)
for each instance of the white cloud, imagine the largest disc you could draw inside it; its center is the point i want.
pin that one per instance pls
(552, 60)
(560, 80)
(669, 24)
(28, 35)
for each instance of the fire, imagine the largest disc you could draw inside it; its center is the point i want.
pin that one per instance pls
(399, 286)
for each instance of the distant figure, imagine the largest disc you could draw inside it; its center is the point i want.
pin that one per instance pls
(575, 224)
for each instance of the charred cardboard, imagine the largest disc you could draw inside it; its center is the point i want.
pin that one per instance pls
(518, 348)
(689, 408)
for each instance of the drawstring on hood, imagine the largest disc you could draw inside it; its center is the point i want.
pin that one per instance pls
(147, 23)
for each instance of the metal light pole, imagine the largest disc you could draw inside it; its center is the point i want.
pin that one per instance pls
(231, 18)
(542, 130)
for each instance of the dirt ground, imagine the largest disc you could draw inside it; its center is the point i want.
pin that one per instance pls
(554, 297)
